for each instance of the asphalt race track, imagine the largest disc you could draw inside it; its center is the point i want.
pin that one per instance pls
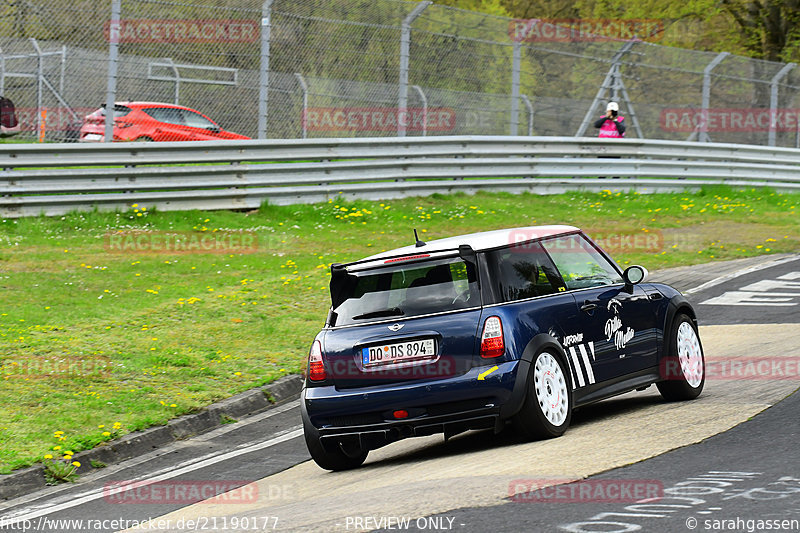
(641, 464)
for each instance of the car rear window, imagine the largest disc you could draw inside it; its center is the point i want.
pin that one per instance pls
(119, 111)
(196, 120)
(406, 290)
(523, 271)
(169, 115)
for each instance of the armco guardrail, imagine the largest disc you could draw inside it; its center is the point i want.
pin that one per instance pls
(55, 179)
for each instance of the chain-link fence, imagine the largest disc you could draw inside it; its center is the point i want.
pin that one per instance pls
(341, 68)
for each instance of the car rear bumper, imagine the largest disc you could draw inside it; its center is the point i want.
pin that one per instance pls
(448, 406)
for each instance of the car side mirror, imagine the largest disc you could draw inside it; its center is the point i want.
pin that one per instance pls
(634, 275)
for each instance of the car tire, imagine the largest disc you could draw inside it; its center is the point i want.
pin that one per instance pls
(333, 460)
(547, 409)
(683, 369)
(143, 140)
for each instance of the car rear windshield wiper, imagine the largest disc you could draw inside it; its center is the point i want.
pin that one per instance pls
(392, 311)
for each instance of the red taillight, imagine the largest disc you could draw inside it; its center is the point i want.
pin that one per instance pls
(316, 368)
(400, 413)
(492, 344)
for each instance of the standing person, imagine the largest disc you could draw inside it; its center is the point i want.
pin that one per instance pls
(611, 124)
(9, 125)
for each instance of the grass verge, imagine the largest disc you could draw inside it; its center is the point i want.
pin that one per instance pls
(99, 336)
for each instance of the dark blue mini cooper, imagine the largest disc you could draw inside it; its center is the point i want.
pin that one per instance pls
(472, 332)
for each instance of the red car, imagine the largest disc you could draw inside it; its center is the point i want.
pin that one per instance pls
(153, 121)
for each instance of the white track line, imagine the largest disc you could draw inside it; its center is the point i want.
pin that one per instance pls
(167, 473)
(742, 272)
(52, 492)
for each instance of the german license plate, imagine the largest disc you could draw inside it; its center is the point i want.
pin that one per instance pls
(400, 352)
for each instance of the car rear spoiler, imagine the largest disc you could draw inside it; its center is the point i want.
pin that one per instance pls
(340, 277)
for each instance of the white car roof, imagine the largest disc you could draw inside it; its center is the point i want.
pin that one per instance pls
(480, 241)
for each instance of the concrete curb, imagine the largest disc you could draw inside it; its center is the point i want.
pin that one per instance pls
(139, 442)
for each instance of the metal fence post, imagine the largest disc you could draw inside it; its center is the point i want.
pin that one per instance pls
(304, 86)
(424, 108)
(63, 69)
(707, 96)
(174, 68)
(263, 96)
(529, 105)
(773, 100)
(515, 72)
(113, 61)
(405, 52)
(39, 83)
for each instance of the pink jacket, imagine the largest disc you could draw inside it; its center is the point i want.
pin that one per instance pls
(609, 128)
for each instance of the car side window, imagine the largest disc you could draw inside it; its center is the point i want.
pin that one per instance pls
(166, 114)
(580, 264)
(523, 271)
(195, 120)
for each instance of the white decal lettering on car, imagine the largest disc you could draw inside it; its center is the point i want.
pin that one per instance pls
(569, 340)
(613, 329)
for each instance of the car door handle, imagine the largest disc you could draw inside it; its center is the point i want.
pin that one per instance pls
(588, 307)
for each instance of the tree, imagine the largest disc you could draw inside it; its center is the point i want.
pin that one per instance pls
(492, 7)
(529, 9)
(768, 27)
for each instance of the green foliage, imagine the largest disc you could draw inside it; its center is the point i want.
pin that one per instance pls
(59, 471)
(764, 30)
(492, 7)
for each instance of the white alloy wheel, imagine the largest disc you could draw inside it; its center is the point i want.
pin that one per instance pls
(551, 389)
(690, 354)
